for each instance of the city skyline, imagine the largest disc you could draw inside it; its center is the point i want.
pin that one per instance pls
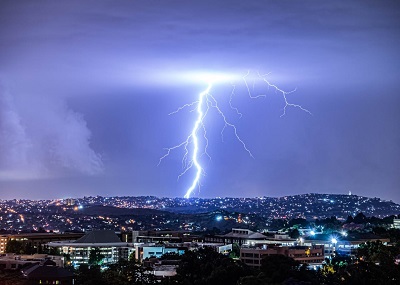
(86, 89)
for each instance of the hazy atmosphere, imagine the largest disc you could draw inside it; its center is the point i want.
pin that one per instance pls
(86, 89)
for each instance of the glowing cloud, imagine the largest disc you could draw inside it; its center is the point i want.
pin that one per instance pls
(205, 102)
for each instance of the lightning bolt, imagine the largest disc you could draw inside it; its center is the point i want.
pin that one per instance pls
(193, 135)
(202, 106)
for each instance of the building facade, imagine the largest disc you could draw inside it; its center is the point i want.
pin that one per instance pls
(36, 240)
(303, 254)
(106, 243)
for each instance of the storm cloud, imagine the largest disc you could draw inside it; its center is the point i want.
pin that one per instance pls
(40, 138)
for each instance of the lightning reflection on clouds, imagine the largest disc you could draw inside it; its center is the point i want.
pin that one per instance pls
(206, 100)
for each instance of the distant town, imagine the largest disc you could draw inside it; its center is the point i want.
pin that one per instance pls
(194, 214)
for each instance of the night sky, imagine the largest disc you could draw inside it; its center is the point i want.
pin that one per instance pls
(86, 88)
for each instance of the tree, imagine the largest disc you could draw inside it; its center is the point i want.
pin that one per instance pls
(278, 224)
(207, 267)
(128, 272)
(282, 269)
(54, 251)
(95, 256)
(294, 233)
(379, 231)
(376, 252)
(171, 256)
(349, 219)
(14, 246)
(28, 248)
(367, 273)
(235, 253)
(299, 222)
(253, 280)
(92, 275)
(124, 272)
(278, 267)
(360, 218)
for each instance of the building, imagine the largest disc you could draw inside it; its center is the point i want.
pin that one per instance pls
(239, 236)
(47, 273)
(14, 262)
(163, 236)
(396, 223)
(107, 242)
(343, 243)
(149, 251)
(37, 240)
(161, 268)
(250, 238)
(311, 255)
(69, 202)
(146, 251)
(3, 243)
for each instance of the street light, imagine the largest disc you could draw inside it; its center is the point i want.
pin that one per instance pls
(334, 242)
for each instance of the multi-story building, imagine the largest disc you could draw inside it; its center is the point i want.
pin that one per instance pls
(311, 255)
(396, 223)
(344, 243)
(36, 240)
(250, 238)
(152, 250)
(110, 247)
(14, 262)
(3, 244)
(163, 236)
(144, 251)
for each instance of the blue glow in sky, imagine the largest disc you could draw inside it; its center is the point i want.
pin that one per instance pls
(86, 89)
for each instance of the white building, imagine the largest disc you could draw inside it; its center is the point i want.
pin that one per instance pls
(396, 223)
(107, 242)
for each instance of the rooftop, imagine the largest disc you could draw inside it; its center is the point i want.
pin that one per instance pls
(104, 236)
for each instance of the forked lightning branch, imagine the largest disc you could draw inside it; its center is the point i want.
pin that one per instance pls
(198, 134)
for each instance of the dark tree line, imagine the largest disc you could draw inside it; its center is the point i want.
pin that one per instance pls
(124, 272)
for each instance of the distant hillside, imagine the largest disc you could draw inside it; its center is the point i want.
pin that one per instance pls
(309, 206)
(305, 205)
(115, 211)
(191, 209)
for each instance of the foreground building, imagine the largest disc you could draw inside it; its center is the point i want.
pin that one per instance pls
(47, 272)
(13, 261)
(106, 242)
(36, 240)
(344, 244)
(313, 255)
(247, 237)
(163, 236)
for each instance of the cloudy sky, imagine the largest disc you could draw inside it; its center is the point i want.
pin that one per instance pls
(86, 88)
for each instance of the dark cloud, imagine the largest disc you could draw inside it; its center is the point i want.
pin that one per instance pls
(40, 138)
